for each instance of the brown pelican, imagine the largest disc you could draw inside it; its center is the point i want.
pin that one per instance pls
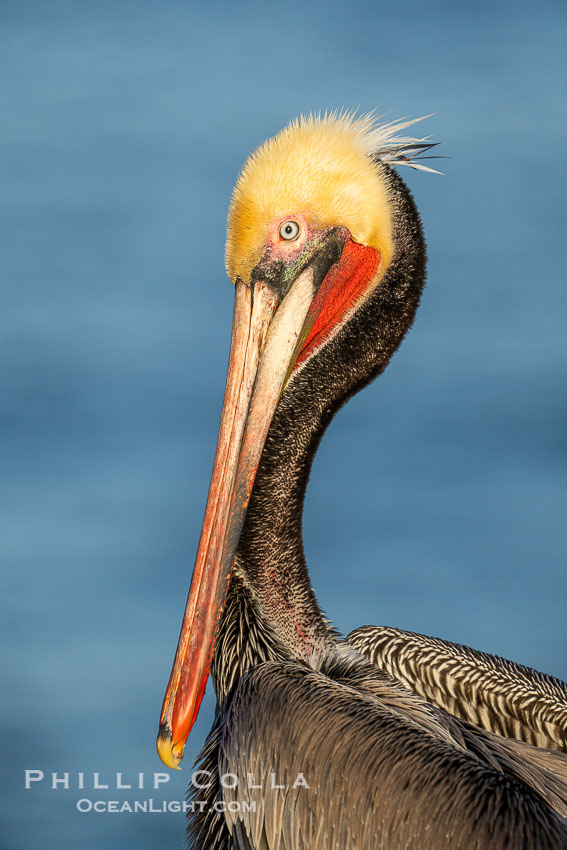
(386, 739)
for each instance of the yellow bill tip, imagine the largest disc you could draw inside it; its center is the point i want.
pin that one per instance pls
(170, 754)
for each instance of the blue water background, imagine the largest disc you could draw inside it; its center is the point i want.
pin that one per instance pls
(438, 498)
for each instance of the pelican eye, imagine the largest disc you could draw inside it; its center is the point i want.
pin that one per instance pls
(289, 230)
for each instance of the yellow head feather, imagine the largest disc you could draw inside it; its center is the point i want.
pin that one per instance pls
(317, 166)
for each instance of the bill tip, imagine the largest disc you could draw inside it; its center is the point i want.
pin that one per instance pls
(169, 753)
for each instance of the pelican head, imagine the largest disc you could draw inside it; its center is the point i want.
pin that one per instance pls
(316, 172)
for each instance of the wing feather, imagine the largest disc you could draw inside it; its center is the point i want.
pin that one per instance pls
(485, 690)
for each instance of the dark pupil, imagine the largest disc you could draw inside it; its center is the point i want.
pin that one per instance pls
(288, 229)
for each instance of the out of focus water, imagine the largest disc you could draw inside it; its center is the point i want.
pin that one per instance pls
(437, 501)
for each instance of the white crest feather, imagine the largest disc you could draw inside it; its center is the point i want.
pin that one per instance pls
(381, 141)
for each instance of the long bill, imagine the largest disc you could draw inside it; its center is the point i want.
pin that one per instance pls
(266, 337)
